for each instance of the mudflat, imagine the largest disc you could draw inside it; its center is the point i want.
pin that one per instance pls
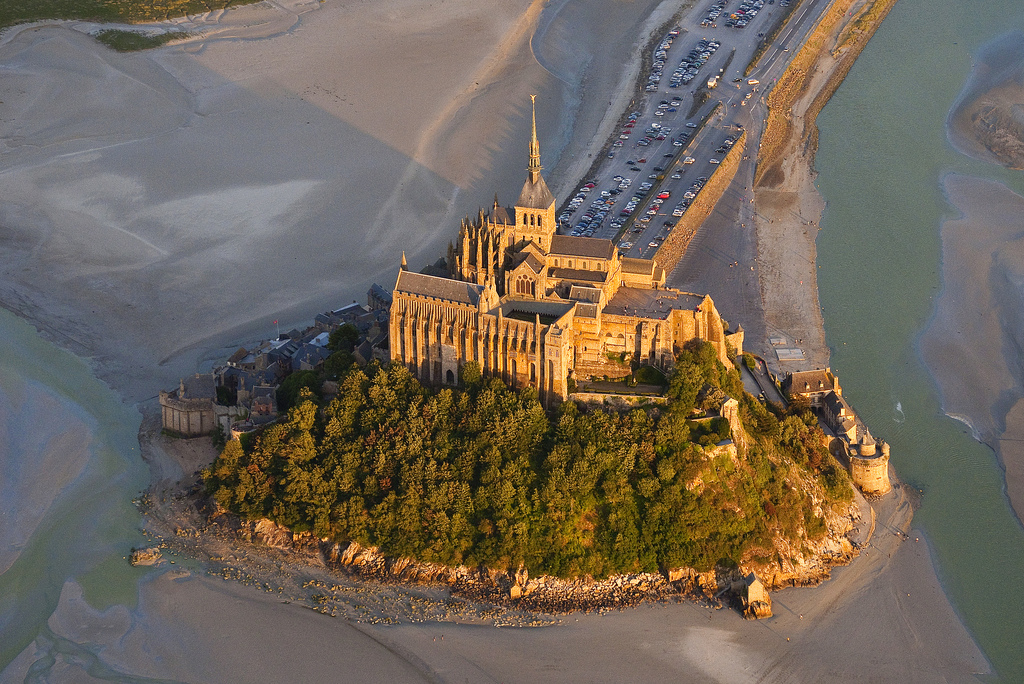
(979, 309)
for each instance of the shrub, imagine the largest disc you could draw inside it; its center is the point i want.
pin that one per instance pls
(649, 375)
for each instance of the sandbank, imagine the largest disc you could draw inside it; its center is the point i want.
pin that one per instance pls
(968, 344)
(985, 121)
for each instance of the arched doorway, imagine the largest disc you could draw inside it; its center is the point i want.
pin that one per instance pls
(449, 378)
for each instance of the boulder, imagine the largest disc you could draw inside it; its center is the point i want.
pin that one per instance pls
(758, 610)
(150, 556)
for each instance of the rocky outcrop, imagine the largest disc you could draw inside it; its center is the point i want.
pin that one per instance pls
(150, 556)
(809, 564)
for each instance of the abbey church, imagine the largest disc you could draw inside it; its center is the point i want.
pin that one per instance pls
(537, 308)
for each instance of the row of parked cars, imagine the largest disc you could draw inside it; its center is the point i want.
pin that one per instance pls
(636, 199)
(691, 64)
(714, 12)
(747, 11)
(660, 56)
(689, 196)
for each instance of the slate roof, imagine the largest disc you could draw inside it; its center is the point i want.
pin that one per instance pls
(502, 215)
(200, 386)
(592, 248)
(585, 293)
(379, 293)
(439, 288)
(631, 265)
(309, 355)
(535, 195)
(536, 264)
(544, 307)
(810, 381)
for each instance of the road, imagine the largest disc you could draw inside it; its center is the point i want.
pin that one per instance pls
(740, 102)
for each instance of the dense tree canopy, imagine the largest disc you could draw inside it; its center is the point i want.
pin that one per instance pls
(483, 475)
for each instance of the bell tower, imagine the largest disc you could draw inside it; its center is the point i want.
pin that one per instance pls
(535, 208)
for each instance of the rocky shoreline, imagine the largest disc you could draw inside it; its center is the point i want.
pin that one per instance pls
(183, 525)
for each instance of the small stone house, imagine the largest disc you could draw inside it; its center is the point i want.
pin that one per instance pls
(814, 385)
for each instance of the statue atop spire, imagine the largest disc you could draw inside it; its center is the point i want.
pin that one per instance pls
(535, 166)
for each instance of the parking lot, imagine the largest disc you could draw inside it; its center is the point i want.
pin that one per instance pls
(660, 146)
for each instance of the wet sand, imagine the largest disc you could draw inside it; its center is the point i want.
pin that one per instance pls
(986, 121)
(883, 618)
(971, 344)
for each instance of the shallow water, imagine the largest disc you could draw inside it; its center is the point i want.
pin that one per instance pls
(882, 154)
(69, 469)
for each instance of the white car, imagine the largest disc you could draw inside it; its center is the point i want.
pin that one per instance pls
(689, 160)
(714, 161)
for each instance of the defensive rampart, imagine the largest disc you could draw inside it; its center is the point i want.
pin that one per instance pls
(675, 245)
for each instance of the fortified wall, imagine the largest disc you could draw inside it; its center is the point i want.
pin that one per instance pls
(868, 457)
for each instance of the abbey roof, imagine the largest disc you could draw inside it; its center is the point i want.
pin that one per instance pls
(592, 248)
(438, 288)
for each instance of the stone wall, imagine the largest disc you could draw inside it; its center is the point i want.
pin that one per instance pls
(616, 400)
(674, 246)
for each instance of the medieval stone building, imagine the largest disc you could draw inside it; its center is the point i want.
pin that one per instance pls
(537, 308)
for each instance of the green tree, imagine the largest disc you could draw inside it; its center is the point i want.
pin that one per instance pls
(344, 338)
(288, 392)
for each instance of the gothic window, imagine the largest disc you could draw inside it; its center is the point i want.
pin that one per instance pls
(524, 285)
(540, 220)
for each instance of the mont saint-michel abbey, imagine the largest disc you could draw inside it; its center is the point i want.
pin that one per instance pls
(537, 308)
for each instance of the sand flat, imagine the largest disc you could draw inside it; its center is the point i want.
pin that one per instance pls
(971, 345)
(883, 618)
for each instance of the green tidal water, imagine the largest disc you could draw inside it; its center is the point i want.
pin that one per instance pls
(85, 527)
(882, 155)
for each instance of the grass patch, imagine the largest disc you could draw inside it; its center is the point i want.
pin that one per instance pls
(130, 41)
(127, 11)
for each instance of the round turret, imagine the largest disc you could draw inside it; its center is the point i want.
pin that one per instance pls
(869, 467)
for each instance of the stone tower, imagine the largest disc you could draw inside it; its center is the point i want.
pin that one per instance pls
(535, 208)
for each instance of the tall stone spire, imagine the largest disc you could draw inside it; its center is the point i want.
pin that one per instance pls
(535, 194)
(535, 166)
